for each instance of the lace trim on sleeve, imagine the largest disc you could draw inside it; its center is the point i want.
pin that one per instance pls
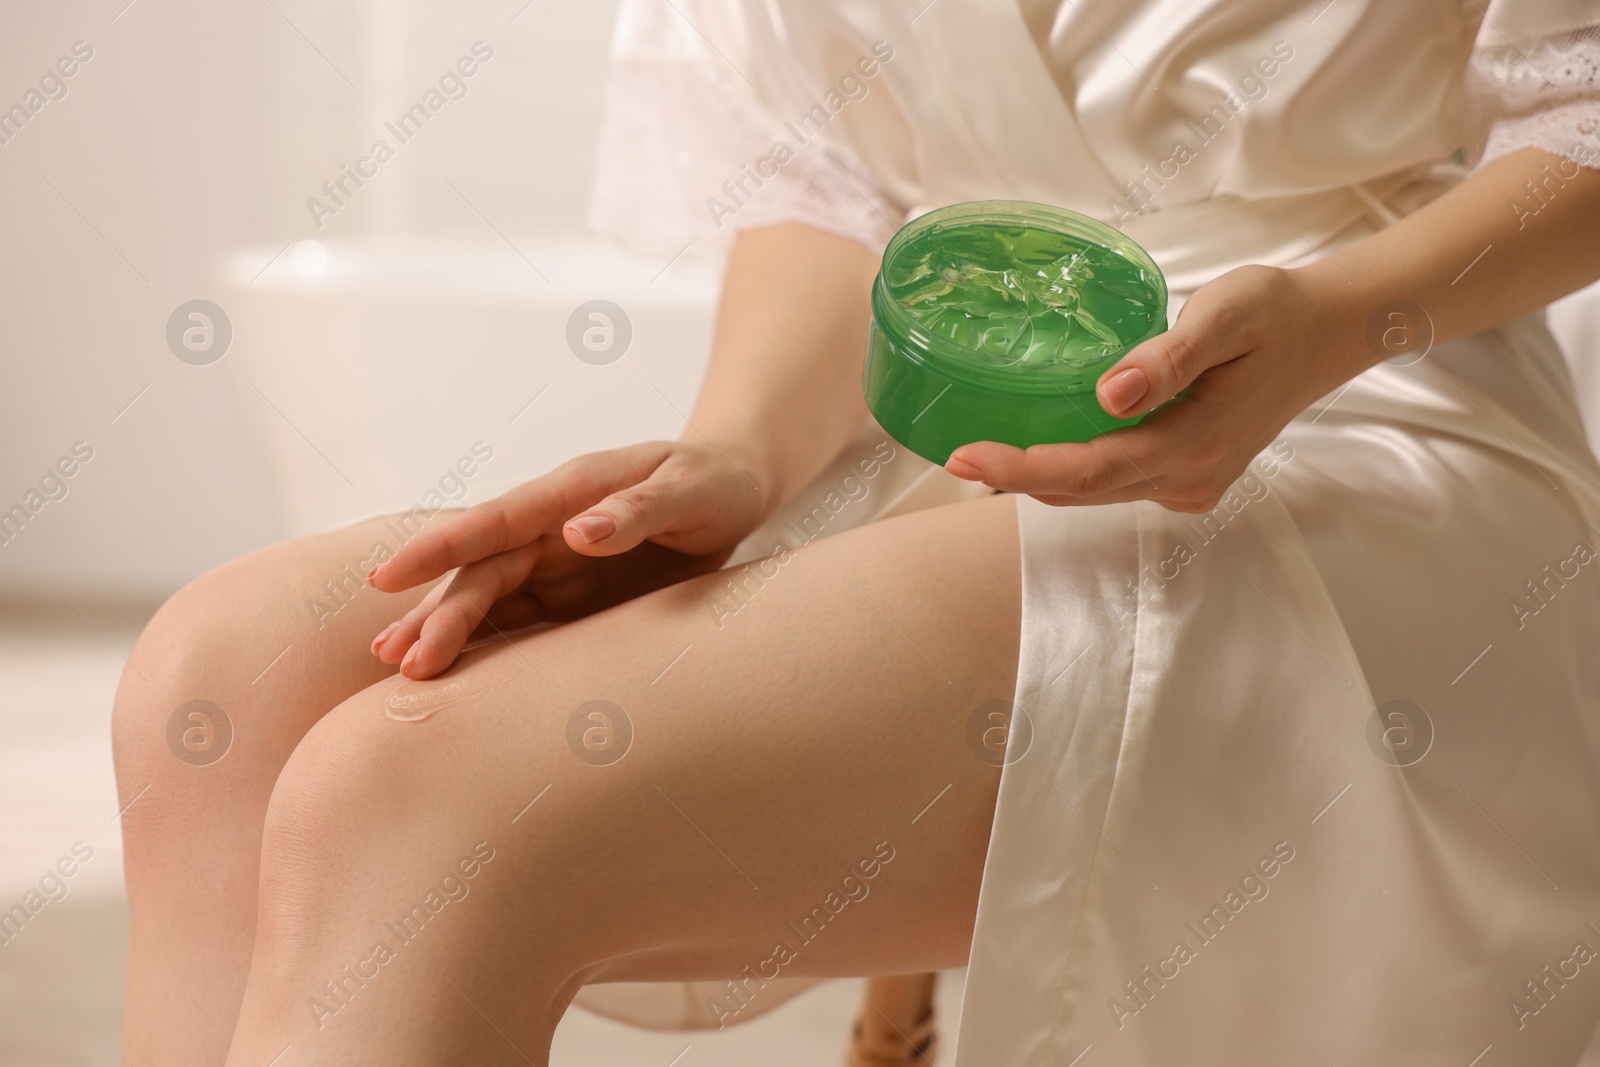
(1540, 95)
(687, 157)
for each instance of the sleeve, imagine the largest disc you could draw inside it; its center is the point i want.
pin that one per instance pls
(1537, 92)
(689, 153)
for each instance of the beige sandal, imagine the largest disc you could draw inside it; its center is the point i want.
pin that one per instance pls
(895, 1025)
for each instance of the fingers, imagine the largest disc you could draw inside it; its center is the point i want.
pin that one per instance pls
(1084, 471)
(518, 517)
(431, 635)
(393, 640)
(1209, 331)
(1182, 457)
(665, 502)
(1151, 373)
(1237, 391)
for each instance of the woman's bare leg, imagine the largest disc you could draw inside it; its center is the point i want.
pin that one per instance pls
(192, 828)
(435, 891)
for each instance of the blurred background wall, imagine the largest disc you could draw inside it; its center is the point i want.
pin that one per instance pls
(368, 352)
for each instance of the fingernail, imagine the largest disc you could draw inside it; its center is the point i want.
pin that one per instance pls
(410, 657)
(962, 469)
(383, 635)
(372, 572)
(1124, 389)
(593, 528)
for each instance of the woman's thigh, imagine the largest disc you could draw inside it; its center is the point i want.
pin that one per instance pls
(781, 767)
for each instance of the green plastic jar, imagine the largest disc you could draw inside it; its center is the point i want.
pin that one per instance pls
(992, 321)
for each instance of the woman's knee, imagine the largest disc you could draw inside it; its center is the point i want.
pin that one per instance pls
(169, 710)
(377, 825)
(365, 795)
(235, 667)
(402, 755)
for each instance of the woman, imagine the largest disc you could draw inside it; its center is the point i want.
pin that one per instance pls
(1303, 764)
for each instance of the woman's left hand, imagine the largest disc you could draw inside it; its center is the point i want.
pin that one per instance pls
(1253, 348)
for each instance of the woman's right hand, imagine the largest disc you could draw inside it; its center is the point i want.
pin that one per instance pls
(601, 529)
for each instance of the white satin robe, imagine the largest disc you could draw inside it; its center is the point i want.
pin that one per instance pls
(1226, 842)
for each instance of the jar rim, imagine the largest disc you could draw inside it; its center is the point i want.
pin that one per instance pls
(953, 360)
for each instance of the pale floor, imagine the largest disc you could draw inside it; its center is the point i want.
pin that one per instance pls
(61, 975)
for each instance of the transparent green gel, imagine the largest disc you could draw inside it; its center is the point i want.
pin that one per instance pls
(992, 321)
(1019, 294)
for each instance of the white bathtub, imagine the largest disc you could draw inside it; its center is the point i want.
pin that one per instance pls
(367, 381)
